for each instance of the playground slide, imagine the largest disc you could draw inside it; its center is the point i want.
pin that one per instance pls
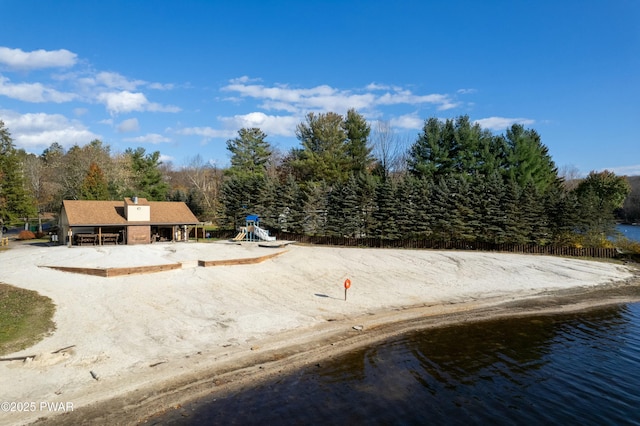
(240, 236)
(263, 234)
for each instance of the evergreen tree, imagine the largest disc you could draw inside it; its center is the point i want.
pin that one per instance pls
(250, 153)
(323, 156)
(15, 201)
(290, 203)
(315, 208)
(441, 208)
(94, 186)
(246, 188)
(514, 225)
(365, 185)
(406, 209)
(149, 182)
(528, 160)
(533, 217)
(336, 211)
(357, 146)
(430, 155)
(241, 197)
(489, 225)
(385, 215)
(421, 193)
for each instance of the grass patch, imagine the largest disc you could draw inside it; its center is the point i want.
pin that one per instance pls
(26, 317)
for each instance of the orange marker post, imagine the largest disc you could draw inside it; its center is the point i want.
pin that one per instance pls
(347, 284)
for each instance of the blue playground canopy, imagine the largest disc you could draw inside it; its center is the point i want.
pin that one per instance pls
(252, 218)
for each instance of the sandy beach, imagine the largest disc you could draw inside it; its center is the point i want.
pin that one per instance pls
(136, 345)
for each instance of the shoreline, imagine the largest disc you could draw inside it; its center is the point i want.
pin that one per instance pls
(284, 355)
(141, 344)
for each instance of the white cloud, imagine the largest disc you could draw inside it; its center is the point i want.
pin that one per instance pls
(408, 121)
(325, 98)
(272, 125)
(408, 98)
(19, 59)
(130, 125)
(243, 79)
(501, 123)
(161, 86)
(113, 80)
(624, 170)
(125, 101)
(35, 132)
(376, 86)
(153, 138)
(32, 92)
(207, 132)
(154, 107)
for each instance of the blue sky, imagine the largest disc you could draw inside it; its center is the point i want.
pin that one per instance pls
(183, 77)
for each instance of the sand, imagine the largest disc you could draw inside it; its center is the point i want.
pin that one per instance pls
(141, 344)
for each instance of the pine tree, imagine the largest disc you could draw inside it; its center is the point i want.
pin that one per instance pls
(357, 147)
(94, 186)
(423, 221)
(406, 208)
(149, 181)
(528, 160)
(489, 225)
(290, 202)
(315, 208)
(250, 153)
(15, 201)
(385, 215)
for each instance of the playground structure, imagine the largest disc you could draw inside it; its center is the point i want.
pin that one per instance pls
(252, 231)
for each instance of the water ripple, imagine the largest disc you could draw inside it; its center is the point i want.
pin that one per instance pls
(572, 369)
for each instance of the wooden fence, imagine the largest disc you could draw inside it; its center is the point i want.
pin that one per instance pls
(424, 243)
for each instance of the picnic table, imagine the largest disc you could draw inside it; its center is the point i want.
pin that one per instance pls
(110, 238)
(93, 239)
(82, 239)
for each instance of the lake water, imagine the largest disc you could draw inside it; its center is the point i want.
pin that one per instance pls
(632, 232)
(582, 368)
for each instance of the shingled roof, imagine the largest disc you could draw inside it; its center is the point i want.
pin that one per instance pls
(111, 213)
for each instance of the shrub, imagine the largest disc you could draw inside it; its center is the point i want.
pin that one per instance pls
(26, 235)
(628, 246)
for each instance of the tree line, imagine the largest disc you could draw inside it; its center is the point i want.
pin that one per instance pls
(455, 182)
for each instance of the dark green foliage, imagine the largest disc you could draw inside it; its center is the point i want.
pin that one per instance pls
(599, 195)
(344, 210)
(332, 148)
(385, 215)
(407, 207)
(454, 147)
(528, 160)
(250, 153)
(289, 203)
(315, 207)
(490, 220)
(15, 201)
(241, 197)
(148, 179)
(357, 147)
(463, 184)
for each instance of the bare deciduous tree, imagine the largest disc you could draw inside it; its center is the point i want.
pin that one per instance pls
(389, 149)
